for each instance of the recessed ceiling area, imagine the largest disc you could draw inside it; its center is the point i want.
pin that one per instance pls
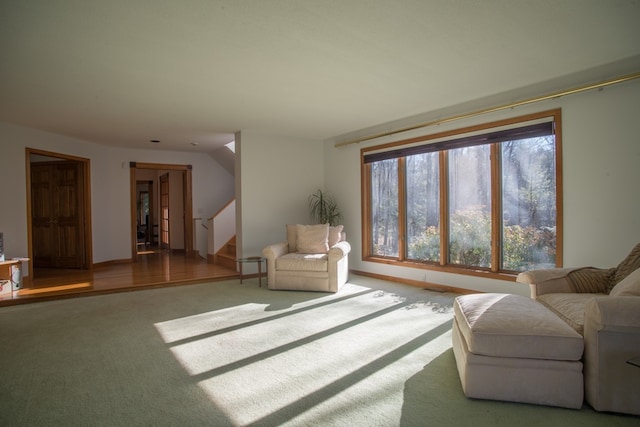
(190, 74)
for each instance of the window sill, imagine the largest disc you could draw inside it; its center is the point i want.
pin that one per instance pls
(466, 271)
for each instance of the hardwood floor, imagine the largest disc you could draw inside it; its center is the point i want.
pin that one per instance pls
(153, 270)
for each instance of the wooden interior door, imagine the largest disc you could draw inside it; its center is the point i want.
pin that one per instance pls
(164, 211)
(56, 212)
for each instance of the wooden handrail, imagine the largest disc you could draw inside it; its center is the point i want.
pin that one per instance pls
(201, 222)
(223, 208)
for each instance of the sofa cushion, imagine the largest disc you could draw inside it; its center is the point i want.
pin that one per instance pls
(629, 286)
(296, 261)
(312, 239)
(589, 280)
(569, 307)
(507, 325)
(292, 237)
(628, 265)
(335, 234)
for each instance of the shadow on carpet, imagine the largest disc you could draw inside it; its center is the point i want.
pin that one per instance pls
(434, 396)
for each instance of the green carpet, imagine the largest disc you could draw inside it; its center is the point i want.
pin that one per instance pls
(225, 354)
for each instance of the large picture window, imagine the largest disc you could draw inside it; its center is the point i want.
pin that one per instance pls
(482, 199)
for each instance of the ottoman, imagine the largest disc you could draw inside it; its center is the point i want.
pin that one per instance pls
(510, 347)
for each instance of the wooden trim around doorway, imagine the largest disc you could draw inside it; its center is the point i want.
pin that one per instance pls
(187, 195)
(85, 168)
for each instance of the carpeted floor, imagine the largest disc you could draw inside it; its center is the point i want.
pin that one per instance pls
(218, 354)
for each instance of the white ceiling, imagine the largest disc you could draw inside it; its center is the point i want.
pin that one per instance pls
(124, 72)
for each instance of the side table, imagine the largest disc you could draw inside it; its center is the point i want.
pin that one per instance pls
(11, 270)
(255, 259)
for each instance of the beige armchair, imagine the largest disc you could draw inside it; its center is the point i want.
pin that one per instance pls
(314, 258)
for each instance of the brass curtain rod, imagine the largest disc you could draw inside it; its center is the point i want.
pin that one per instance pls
(494, 109)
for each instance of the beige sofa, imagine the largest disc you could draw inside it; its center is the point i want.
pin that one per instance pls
(602, 305)
(314, 258)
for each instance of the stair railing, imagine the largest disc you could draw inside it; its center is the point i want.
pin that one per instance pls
(221, 228)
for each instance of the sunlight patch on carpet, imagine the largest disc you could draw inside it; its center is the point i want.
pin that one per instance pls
(257, 365)
(191, 327)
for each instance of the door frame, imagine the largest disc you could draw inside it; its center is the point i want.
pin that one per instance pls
(85, 209)
(186, 194)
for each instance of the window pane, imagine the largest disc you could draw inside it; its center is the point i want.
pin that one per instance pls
(470, 206)
(529, 204)
(384, 208)
(423, 207)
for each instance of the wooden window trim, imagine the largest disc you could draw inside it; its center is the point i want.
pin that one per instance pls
(494, 272)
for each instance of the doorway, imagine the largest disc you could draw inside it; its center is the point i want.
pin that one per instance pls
(147, 230)
(171, 216)
(58, 211)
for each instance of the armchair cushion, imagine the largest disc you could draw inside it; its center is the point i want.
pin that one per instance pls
(629, 286)
(335, 234)
(296, 261)
(292, 237)
(312, 239)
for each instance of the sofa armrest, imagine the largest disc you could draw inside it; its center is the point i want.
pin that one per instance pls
(338, 251)
(614, 313)
(546, 281)
(271, 253)
(566, 280)
(338, 265)
(276, 250)
(611, 339)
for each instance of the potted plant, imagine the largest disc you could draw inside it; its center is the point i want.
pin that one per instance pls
(324, 208)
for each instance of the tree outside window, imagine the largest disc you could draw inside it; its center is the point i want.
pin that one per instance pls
(384, 202)
(423, 207)
(528, 204)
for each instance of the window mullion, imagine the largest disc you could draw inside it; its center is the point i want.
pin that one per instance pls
(402, 208)
(557, 123)
(366, 209)
(496, 208)
(444, 208)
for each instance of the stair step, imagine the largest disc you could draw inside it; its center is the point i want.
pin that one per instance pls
(225, 260)
(226, 256)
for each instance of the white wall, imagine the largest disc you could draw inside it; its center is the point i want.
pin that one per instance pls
(601, 159)
(275, 177)
(110, 198)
